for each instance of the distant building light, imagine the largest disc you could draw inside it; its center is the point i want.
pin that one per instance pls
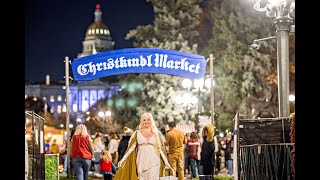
(59, 109)
(64, 109)
(75, 107)
(51, 98)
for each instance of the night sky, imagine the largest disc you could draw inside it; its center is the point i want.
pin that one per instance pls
(56, 29)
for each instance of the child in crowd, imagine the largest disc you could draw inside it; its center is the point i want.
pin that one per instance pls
(107, 168)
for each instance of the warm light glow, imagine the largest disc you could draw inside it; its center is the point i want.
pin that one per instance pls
(98, 6)
(100, 114)
(108, 113)
(198, 83)
(292, 98)
(27, 121)
(186, 83)
(208, 83)
(186, 97)
(70, 125)
(179, 100)
(61, 125)
(75, 107)
(64, 108)
(49, 135)
(221, 134)
(59, 109)
(194, 100)
(28, 136)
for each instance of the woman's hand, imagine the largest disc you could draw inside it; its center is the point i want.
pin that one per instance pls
(119, 163)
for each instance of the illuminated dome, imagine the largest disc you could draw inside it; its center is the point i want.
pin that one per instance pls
(98, 28)
(97, 38)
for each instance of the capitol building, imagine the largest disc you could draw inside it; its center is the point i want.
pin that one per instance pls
(81, 95)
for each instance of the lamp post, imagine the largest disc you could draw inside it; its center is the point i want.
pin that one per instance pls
(283, 19)
(186, 101)
(198, 85)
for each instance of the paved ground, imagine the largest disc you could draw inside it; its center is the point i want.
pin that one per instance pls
(223, 172)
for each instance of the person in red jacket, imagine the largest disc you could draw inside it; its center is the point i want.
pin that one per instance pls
(81, 152)
(107, 168)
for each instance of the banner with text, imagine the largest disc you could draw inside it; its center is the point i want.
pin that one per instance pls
(138, 60)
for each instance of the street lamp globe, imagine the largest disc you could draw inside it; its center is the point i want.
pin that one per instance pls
(179, 100)
(186, 83)
(186, 97)
(194, 100)
(107, 113)
(198, 83)
(207, 83)
(292, 97)
(100, 114)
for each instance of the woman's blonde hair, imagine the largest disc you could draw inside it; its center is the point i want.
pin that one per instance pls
(81, 129)
(154, 128)
(106, 156)
(149, 116)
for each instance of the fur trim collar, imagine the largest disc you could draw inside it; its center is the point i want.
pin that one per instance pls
(210, 129)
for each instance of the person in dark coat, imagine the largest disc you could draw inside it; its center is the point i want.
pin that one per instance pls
(208, 151)
(124, 142)
(228, 152)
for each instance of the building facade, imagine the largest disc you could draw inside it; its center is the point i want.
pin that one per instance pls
(81, 95)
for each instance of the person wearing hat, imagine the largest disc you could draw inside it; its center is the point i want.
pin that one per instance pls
(124, 141)
(208, 151)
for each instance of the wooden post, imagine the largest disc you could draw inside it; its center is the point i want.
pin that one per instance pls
(67, 115)
(212, 90)
(236, 146)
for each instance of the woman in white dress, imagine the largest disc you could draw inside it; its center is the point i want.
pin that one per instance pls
(146, 148)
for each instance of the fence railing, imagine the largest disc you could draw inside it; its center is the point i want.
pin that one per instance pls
(266, 161)
(263, 149)
(35, 132)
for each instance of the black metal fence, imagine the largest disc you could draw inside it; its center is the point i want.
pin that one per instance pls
(35, 133)
(266, 161)
(265, 149)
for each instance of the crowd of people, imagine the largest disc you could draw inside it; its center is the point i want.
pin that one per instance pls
(148, 152)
